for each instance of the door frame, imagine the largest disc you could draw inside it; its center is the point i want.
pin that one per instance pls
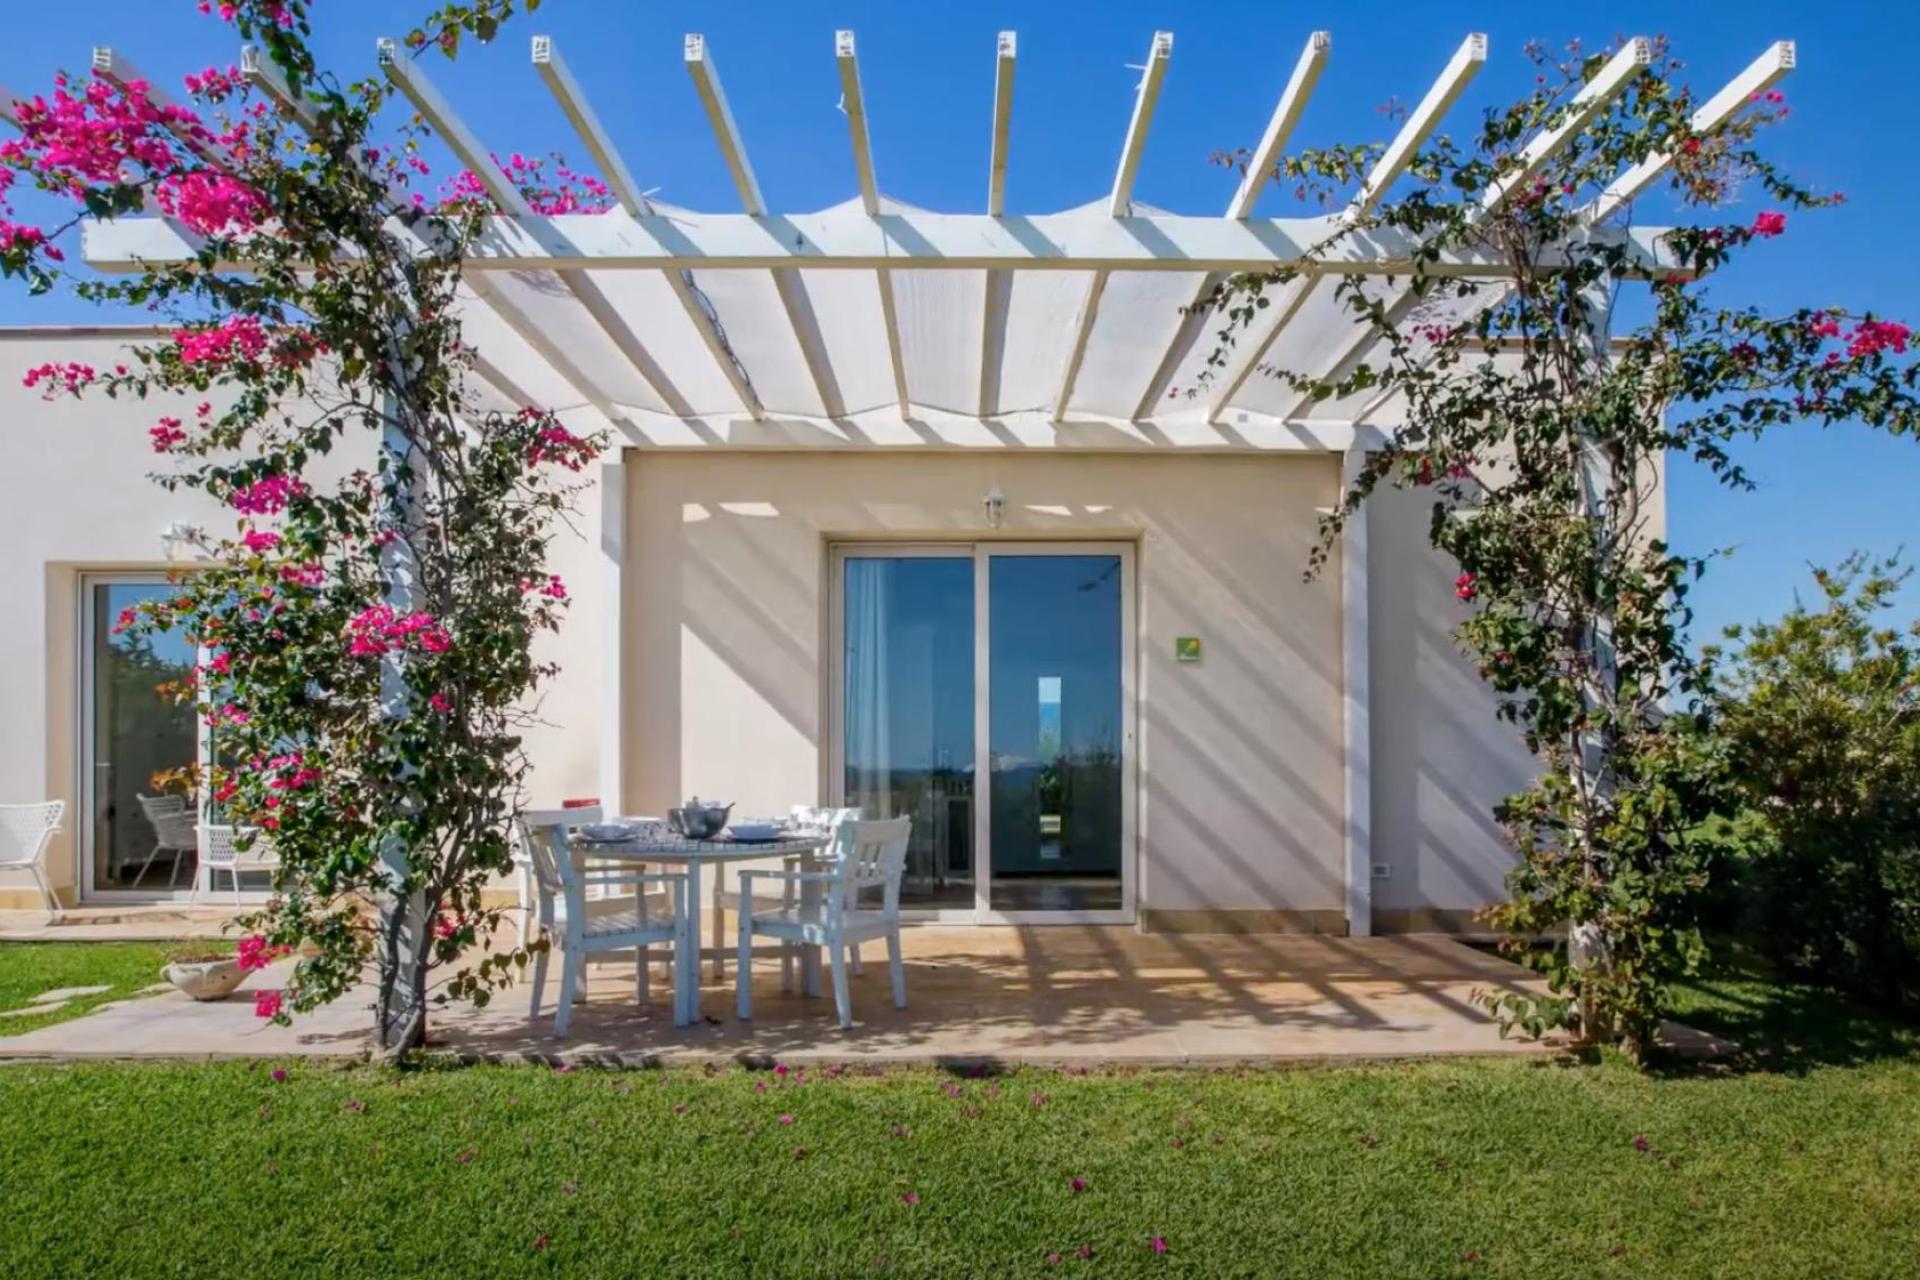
(981, 552)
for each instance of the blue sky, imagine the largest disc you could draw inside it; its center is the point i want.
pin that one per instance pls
(927, 72)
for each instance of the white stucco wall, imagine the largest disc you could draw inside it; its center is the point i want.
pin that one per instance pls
(1239, 754)
(724, 636)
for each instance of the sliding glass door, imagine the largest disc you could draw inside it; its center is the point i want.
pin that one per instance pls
(1008, 663)
(138, 747)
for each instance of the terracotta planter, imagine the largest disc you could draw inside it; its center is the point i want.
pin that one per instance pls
(206, 979)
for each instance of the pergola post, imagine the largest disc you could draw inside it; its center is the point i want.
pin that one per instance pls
(1356, 705)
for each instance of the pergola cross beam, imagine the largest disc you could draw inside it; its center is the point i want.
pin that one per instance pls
(999, 285)
(791, 289)
(407, 77)
(1260, 163)
(1414, 131)
(1613, 79)
(853, 102)
(606, 157)
(1119, 205)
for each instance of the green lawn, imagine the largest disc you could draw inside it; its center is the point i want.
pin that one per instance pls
(1800, 1161)
(29, 968)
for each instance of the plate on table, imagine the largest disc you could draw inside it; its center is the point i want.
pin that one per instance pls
(754, 832)
(606, 832)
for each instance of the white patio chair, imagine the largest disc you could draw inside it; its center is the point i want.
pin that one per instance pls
(816, 817)
(526, 890)
(866, 855)
(223, 853)
(25, 832)
(579, 925)
(175, 828)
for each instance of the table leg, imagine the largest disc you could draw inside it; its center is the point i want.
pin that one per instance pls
(809, 956)
(719, 922)
(690, 1008)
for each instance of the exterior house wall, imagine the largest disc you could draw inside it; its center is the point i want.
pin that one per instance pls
(722, 636)
(1239, 755)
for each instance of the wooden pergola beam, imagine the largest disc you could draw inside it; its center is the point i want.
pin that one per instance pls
(853, 102)
(1414, 131)
(606, 156)
(406, 76)
(839, 241)
(1613, 79)
(1735, 96)
(999, 285)
(1119, 205)
(1273, 144)
(792, 290)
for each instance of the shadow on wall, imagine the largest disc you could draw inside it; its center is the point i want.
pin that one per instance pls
(1240, 755)
(1441, 760)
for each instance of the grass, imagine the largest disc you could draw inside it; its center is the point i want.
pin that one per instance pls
(1802, 1160)
(29, 968)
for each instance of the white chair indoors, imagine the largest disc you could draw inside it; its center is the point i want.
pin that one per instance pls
(175, 830)
(865, 856)
(223, 853)
(25, 832)
(579, 925)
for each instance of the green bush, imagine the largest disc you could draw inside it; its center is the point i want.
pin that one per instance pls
(1821, 711)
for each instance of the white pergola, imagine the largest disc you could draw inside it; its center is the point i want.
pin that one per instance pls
(874, 324)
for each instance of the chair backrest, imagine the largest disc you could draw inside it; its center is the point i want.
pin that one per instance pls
(822, 816)
(571, 816)
(26, 829)
(172, 821)
(543, 839)
(868, 854)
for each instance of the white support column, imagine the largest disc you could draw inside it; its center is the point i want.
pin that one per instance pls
(1419, 125)
(1356, 708)
(1119, 205)
(999, 290)
(613, 686)
(855, 105)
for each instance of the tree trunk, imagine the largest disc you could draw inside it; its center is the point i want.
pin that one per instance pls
(406, 940)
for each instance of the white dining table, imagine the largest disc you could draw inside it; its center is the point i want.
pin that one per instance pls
(695, 856)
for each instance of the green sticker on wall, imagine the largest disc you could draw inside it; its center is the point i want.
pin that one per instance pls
(1186, 648)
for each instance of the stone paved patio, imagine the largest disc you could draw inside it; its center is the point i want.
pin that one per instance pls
(1044, 995)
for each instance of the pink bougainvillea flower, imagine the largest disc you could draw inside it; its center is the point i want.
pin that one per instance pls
(1465, 586)
(786, 1119)
(279, 1075)
(267, 1004)
(779, 1068)
(1158, 1244)
(1084, 1252)
(1768, 223)
(1078, 1185)
(910, 1197)
(1640, 1143)
(259, 540)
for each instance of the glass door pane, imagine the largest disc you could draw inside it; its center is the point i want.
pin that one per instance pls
(1055, 724)
(908, 710)
(134, 733)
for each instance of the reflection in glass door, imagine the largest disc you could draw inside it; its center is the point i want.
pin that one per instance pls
(907, 711)
(1055, 747)
(138, 747)
(1003, 662)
